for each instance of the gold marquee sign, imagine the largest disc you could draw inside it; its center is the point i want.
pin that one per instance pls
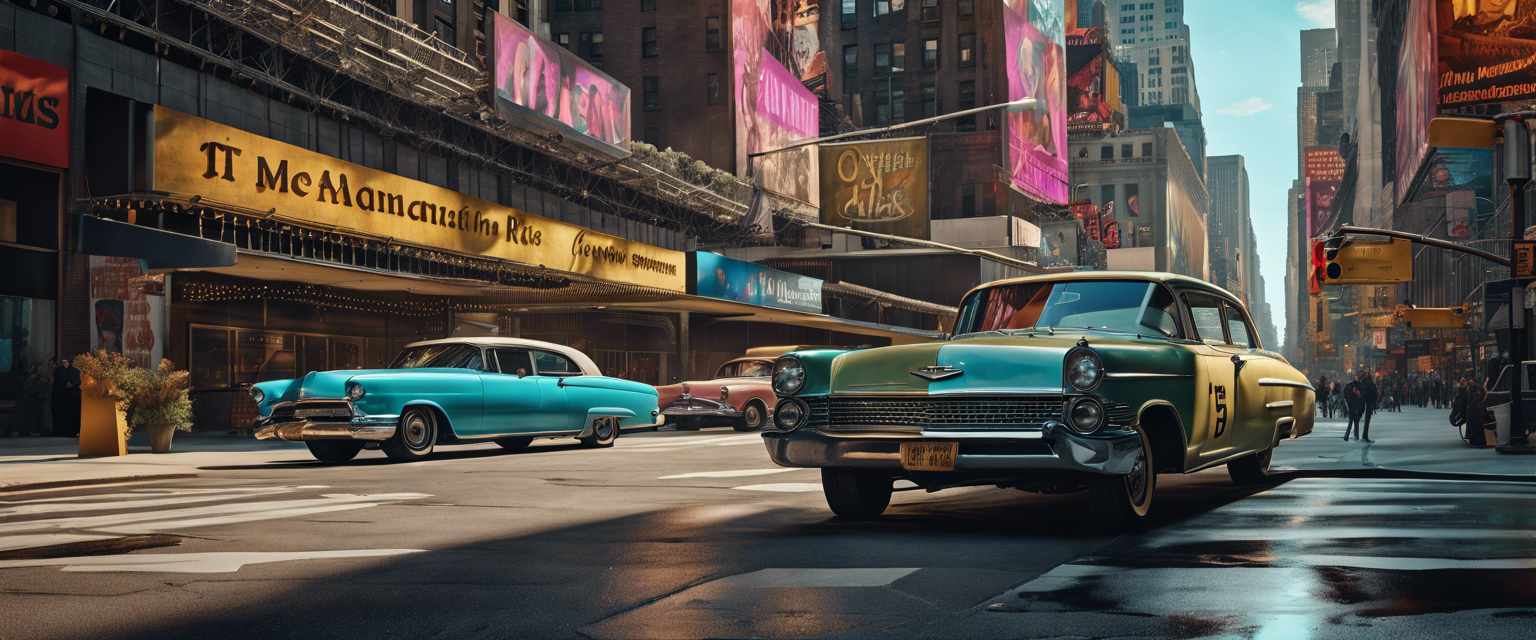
(196, 156)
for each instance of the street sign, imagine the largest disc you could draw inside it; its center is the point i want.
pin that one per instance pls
(1523, 260)
(1416, 348)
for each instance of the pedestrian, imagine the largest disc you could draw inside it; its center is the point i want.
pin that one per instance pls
(1372, 398)
(66, 401)
(45, 399)
(1322, 396)
(1459, 403)
(27, 403)
(1477, 397)
(1354, 405)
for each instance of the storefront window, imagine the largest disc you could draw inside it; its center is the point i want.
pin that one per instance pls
(26, 338)
(210, 358)
(262, 355)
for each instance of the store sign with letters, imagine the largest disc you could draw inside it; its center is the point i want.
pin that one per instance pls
(194, 156)
(34, 110)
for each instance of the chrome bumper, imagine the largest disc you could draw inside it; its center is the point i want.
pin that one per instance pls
(363, 428)
(991, 451)
(699, 408)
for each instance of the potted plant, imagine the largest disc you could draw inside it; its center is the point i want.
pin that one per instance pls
(103, 394)
(157, 399)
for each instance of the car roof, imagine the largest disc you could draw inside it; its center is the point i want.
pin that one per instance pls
(1171, 279)
(587, 366)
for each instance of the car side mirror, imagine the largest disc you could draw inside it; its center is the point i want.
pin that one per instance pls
(522, 373)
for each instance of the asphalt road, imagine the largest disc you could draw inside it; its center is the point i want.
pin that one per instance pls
(697, 534)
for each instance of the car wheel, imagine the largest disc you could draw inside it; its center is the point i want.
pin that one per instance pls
(1122, 503)
(514, 443)
(753, 417)
(860, 494)
(333, 450)
(1251, 469)
(604, 431)
(414, 438)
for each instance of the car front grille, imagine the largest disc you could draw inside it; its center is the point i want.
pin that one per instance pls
(939, 413)
(312, 411)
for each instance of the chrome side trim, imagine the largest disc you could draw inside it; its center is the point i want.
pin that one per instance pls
(1283, 404)
(520, 434)
(1282, 382)
(1148, 375)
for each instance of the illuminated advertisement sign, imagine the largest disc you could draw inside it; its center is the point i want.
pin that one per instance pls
(1322, 169)
(1416, 86)
(1464, 177)
(722, 278)
(877, 186)
(773, 106)
(1487, 51)
(1088, 216)
(1036, 57)
(1093, 86)
(34, 122)
(544, 85)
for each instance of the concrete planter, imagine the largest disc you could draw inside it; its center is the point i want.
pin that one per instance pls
(101, 428)
(160, 437)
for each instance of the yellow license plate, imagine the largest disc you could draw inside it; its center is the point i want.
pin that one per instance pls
(929, 456)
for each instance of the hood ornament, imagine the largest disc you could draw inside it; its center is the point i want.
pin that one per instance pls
(937, 373)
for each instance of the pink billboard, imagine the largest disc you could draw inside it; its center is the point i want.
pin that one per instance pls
(1037, 66)
(542, 84)
(773, 108)
(1417, 93)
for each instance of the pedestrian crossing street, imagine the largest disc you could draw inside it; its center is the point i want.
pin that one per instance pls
(54, 526)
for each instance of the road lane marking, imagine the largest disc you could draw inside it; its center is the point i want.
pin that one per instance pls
(718, 441)
(226, 562)
(783, 487)
(735, 473)
(22, 509)
(169, 518)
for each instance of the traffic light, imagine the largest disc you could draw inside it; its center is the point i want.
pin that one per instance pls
(1449, 318)
(1361, 261)
(1315, 283)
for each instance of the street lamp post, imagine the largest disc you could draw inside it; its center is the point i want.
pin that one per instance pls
(1517, 172)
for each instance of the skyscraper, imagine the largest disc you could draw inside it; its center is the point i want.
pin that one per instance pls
(1229, 228)
(1153, 35)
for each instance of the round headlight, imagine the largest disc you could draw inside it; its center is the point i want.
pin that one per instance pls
(258, 395)
(789, 415)
(355, 391)
(1083, 370)
(1086, 415)
(788, 376)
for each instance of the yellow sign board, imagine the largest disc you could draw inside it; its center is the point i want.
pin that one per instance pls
(198, 157)
(1360, 261)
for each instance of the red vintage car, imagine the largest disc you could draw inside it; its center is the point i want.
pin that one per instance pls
(741, 394)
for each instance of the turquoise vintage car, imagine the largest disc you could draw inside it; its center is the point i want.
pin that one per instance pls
(505, 390)
(1056, 383)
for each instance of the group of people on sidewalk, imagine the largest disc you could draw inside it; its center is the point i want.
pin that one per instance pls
(49, 403)
(1359, 399)
(1470, 408)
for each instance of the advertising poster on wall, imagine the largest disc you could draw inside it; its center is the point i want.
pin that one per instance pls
(1109, 227)
(1464, 177)
(1088, 216)
(795, 29)
(1058, 243)
(877, 186)
(1133, 200)
(127, 313)
(722, 278)
(1093, 87)
(1036, 67)
(1322, 168)
(543, 84)
(37, 127)
(773, 107)
(1487, 51)
(1416, 92)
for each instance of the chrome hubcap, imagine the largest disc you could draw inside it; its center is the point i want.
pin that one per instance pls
(1136, 482)
(753, 416)
(603, 428)
(416, 431)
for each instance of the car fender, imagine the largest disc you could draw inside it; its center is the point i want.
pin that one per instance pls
(603, 412)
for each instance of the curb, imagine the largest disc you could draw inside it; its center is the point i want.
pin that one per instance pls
(1383, 472)
(59, 484)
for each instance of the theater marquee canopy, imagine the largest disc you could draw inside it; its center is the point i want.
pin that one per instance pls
(198, 157)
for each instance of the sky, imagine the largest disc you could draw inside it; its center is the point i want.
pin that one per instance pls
(1247, 58)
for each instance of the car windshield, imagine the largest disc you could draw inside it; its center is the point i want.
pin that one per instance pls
(1139, 307)
(746, 369)
(447, 356)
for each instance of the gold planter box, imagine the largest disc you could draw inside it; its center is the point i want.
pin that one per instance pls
(101, 428)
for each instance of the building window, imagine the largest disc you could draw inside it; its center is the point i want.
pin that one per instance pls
(1146, 149)
(967, 50)
(1127, 150)
(712, 88)
(648, 42)
(712, 33)
(882, 104)
(562, 6)
(898, 56)
(653, 135)
(899, 105)
(443, 29)
(931, 53)
(882, 57)
(850, 17)
(589, 5)
(930, 101)
(1107, 152)
(652, 89)
(882, 7)
(564, 40)
(968, 201)
(967, 7)
(930, 10)
(647, 5)
(591, 47)
(967, 101)
(851, 61)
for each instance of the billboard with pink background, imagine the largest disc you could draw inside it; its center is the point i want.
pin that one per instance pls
(1037, 65)
(542, 84)
(773, 107)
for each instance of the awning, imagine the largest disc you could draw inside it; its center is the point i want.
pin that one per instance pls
(158, 249)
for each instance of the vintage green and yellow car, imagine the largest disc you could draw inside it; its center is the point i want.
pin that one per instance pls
(1056, 383)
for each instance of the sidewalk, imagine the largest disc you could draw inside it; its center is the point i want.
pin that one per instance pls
(1415, 440)
(46, 462)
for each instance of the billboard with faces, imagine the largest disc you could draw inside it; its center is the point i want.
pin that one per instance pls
(1035, 40)
(773, 107)
(1486, 51)
(544, 85)
(1417, 100)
